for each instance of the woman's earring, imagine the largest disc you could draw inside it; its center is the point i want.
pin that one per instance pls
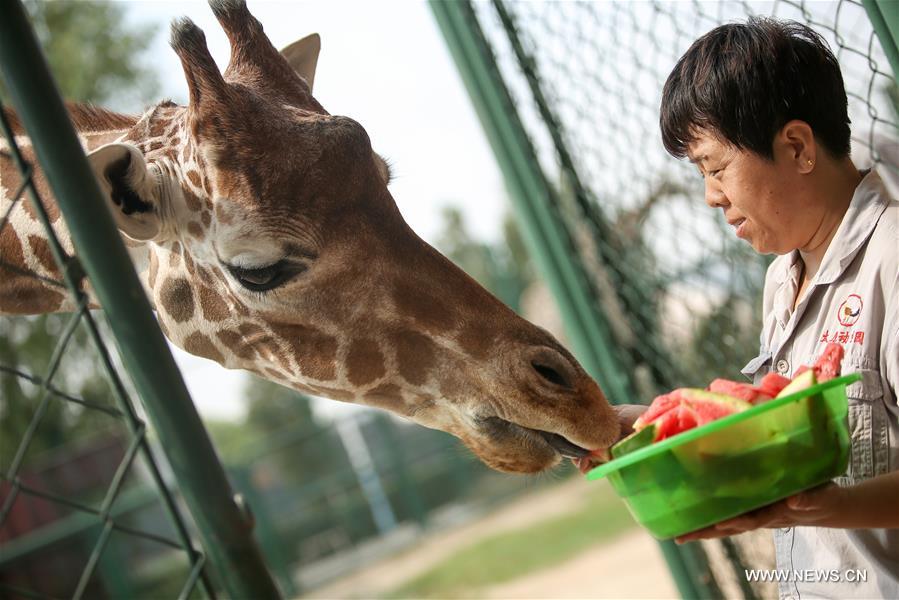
(811, 162)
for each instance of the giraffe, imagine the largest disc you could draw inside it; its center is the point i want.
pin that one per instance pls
(266, 237)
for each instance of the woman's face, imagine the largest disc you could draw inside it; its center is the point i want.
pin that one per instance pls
(763, 200)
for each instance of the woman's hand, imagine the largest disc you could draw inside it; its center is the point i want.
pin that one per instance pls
(823, 506)
(870, 504)
(627, 414)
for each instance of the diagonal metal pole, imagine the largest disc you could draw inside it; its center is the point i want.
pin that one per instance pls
(225, 531)
(884, 17)
(532, 197)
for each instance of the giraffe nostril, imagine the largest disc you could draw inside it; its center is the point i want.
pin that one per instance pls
(551, 368)
(550, 374)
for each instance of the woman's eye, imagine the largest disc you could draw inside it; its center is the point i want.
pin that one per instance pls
(263, 278)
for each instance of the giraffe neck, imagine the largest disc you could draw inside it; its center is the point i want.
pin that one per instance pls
(29, 276)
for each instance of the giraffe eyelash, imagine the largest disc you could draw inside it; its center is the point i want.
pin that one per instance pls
(264, 279)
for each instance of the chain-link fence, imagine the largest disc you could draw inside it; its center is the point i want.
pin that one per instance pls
(86, 509)
(99, 491)
(680, 295)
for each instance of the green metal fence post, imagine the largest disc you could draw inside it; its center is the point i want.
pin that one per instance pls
(589, 333)
(532, 197)
(272, 543)
(884, 16)
(226, 534)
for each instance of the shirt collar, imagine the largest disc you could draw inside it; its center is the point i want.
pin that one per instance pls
(867, 205)
(868, 202)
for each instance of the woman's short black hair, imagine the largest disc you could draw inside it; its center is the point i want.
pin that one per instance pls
(744, 81)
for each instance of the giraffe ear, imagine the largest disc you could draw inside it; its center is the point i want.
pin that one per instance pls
(302, 55)
(129, 188)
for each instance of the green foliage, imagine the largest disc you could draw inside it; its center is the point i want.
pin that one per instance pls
(504, 269)
(26, 345)
(723, 343)
(280, 436)
(94, 53)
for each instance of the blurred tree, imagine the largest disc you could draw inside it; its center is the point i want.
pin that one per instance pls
(281, 430)
(26, 346)
(94, 54)
(725, 340)
(505, 268)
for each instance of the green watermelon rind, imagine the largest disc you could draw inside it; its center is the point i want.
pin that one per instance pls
(638, 439)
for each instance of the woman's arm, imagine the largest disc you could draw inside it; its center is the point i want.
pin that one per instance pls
(872, 504)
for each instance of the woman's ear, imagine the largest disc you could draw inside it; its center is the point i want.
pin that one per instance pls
(129, 189)
(800, 145)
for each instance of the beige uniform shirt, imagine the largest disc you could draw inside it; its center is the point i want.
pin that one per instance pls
(853, 300)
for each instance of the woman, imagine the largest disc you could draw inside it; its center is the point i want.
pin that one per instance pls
(760, 109)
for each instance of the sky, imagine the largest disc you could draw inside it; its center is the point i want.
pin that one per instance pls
(384, 64)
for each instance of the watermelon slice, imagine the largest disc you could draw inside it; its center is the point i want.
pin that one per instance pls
(660, 405)
(769, 387)
(772, 384)
(803, 380)
(686, 408)
(828, 364)
(744, 391)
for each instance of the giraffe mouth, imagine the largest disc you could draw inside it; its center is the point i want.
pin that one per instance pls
(565, 448)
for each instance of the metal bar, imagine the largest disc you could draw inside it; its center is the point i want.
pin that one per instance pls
(73, 275)
(84, 519)
(191, 582)
(226, 534)
(119, 478)
(109, 410)
(533, 198)
(884, 16)
(531, 195)
(92, 561)
(44, 402)
(137, 428)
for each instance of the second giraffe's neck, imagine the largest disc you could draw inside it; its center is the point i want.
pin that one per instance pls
(26, 261)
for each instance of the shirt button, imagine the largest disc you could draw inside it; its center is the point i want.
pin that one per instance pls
(783, 366)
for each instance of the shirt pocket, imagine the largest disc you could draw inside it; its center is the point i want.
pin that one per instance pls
(868, 454)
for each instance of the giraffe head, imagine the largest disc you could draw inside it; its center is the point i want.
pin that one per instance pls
(275, 246)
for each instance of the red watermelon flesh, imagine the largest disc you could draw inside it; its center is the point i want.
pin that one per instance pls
(772, 384)
(769, 387)
(660, 405)
(686, 408)
(744, 391)
(828, 364)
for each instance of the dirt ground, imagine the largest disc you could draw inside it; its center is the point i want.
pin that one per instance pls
(627, 566)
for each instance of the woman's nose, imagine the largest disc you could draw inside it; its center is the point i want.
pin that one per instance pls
(714, 195)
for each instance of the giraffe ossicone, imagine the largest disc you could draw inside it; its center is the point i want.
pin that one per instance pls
(267, 239)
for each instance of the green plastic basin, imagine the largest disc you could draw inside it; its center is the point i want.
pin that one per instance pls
(735, 464)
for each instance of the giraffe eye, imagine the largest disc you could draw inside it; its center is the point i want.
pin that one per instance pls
(262, 279)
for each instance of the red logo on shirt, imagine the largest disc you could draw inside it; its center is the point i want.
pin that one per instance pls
(850, 310)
